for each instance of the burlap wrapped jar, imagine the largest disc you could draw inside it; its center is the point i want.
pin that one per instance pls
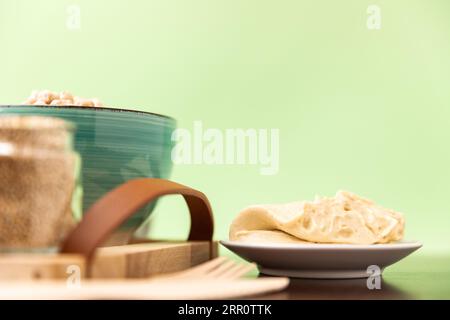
(39, 188)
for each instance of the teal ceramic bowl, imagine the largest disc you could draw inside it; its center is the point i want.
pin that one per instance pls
(116, 145)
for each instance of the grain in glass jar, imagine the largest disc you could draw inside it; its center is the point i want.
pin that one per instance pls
(39, 183)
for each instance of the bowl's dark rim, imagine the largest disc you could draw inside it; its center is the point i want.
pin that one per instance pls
(88, 108)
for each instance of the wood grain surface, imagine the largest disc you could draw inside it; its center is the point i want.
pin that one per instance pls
(127, 261)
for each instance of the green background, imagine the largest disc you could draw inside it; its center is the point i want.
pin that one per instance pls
(358, 109)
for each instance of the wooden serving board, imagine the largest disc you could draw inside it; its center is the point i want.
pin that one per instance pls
(137, 260)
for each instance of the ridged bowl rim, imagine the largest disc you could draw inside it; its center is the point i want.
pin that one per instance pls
(99, 109)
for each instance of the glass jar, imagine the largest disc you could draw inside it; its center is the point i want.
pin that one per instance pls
(40, 191)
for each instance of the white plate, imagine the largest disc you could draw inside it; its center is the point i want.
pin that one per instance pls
(322, 261)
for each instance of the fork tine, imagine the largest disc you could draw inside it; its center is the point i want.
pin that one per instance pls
(210, 265)
(237, 271)
(204, 267)
(217, 272)
(218, 268)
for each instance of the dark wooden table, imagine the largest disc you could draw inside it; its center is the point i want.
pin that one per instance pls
(416, 277)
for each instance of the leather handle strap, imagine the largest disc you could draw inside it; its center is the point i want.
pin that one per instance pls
(108, 213)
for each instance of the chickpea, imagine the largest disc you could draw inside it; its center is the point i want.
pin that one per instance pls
(65, 96)
(40, 103)
(87, 103)
(56, 102)
(66, 102)
(83, 102)
(30, 101)
(97, 103)
(46, 96)
(76, 101)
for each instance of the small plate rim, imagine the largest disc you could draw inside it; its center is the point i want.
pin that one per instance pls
(403, 244)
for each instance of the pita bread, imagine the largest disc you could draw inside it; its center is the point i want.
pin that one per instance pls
(266, 236)
(345, 218)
